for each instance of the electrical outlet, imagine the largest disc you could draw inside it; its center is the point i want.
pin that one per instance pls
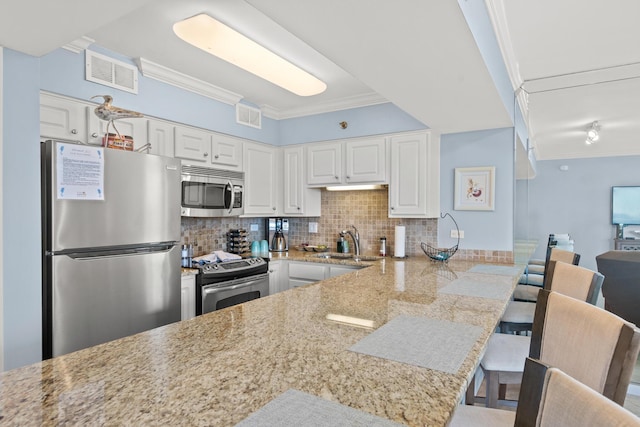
(254, 227)
(313, 227)
(455, 234)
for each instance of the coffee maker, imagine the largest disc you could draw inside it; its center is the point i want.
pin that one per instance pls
(277, 234)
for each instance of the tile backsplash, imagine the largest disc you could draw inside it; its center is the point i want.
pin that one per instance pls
(367, 210)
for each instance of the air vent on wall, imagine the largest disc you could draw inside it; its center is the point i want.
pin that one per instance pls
(110, 72)
(248, 116)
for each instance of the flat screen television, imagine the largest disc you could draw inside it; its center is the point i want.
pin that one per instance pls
(625, 205)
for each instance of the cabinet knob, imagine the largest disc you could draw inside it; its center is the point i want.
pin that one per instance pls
(205, 154)
(298, 207)
(216, 156)
(392, 208)
(336, 177)
(270, 271)
(74, 131)
(273, 208)
(348, 177)
(94, 135)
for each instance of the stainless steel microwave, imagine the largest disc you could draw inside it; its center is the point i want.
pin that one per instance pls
(210, 192)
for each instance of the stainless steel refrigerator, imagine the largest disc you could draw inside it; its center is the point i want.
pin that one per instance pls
(111, 264)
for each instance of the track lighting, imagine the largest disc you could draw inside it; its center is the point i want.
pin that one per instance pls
(593, 133)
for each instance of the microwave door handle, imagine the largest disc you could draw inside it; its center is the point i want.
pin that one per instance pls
(233, 196)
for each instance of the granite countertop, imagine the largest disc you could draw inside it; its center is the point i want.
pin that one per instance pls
(219, 368)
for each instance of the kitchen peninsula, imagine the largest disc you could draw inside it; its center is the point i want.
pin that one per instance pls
(219, 368)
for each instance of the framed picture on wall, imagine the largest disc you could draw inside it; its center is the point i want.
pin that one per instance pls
(474, 189)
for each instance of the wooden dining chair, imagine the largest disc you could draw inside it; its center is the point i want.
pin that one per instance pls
(549, 398)
(596, 347)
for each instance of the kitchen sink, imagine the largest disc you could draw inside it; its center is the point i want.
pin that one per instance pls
(347, 257)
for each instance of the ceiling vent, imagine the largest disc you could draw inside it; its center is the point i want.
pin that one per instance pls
(110, 72)
(248, 116)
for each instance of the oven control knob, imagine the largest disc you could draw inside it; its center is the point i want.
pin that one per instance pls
(215, 266)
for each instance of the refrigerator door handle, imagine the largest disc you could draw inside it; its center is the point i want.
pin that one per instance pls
(119, 252)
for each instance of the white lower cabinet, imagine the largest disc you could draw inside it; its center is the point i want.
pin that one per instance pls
(275, 281)
(414, 185)
(188, 296)
(301, 273)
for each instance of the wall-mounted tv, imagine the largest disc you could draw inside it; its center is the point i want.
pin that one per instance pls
(625, 205)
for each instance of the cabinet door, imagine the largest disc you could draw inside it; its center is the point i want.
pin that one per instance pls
(338, 270)
(365, 161)
(188, 297)
(62, 118)
(260, 180)
(293, 181)
(160, 136)
(274, 277)
(97, 129)
(192, 144)
(324, 164)
(299, 200)
(226, 152)
(414, 182)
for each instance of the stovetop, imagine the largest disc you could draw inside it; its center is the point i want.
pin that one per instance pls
(237, 265)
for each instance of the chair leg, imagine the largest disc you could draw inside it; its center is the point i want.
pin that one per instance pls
(502, 392)
(470, 398)
(493, 384)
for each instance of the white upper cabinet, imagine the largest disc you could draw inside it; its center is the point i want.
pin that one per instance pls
(324, 163)
(193, 144)
(298, 199)
(414, 187)
(134, 127)
(366, 161)
(260, 180)
(62, 118)
(208, 148)
(226, 152)
(354, 161)
(161, 138)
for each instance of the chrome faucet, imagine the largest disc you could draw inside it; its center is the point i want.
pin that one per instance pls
(356, 239)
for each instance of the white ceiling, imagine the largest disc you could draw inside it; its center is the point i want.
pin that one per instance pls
(420, 55)
(578, 62)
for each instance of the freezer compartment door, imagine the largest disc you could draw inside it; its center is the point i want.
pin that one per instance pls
(99, 299)
(141, 203)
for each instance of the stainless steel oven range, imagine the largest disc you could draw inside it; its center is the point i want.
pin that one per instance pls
(228, 283)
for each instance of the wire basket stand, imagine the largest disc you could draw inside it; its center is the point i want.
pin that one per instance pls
(438, 254)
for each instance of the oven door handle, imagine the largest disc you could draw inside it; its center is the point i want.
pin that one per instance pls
(236, 284)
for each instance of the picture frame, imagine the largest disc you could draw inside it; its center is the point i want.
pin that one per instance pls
(474, 189)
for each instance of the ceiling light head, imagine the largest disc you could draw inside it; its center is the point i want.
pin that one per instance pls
(593, 133)
(214, 37)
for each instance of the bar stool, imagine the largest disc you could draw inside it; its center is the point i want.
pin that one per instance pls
(549, 398)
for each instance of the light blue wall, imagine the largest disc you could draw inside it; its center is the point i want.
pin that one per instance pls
(21, 205)
(372, 120)
(491, 230)
(63, 73)
(578, 202)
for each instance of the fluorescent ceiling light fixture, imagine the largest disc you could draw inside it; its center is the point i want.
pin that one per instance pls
(214, 37)
(351, 321)
(593, 133)
(355, 187)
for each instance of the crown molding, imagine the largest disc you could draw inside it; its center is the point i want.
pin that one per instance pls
(346, 103)
(498, 16)
(183, 81)
(79, 45)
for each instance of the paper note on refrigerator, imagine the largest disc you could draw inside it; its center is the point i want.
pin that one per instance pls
(79, 172)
